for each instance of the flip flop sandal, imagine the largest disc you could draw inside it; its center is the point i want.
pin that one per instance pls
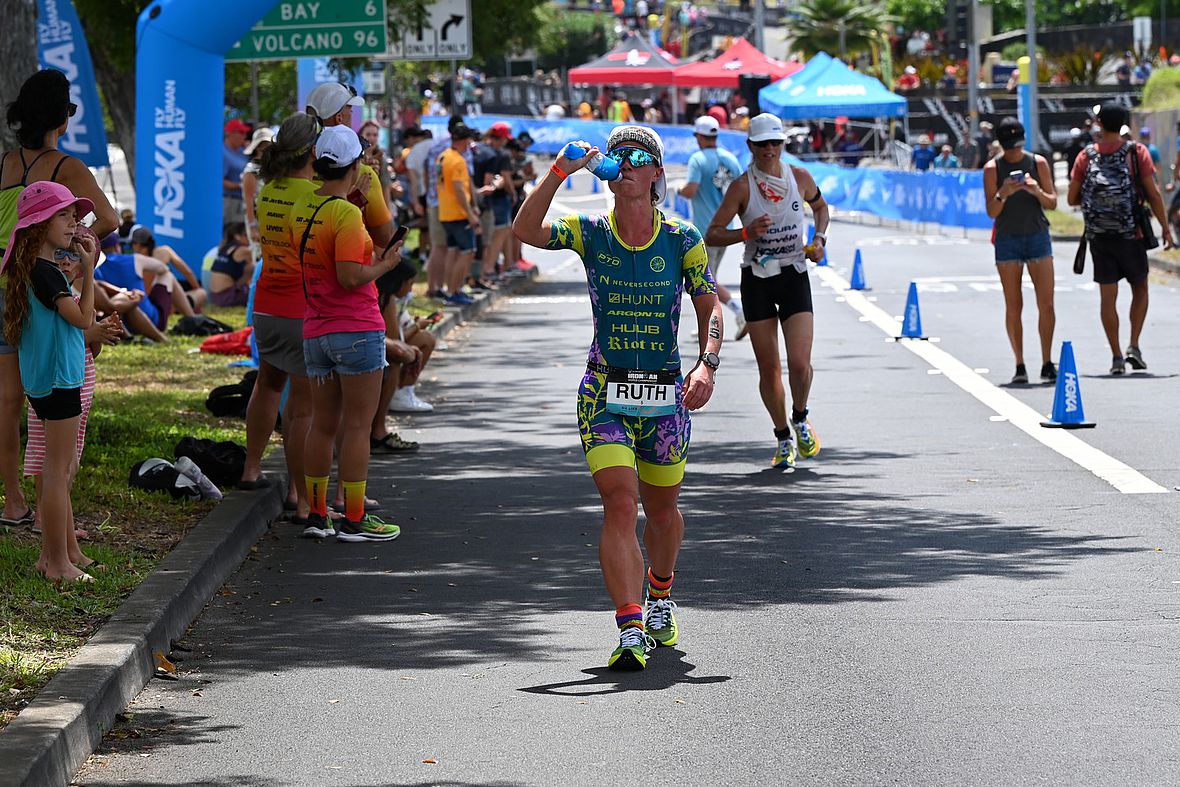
(24, 519)
(79, 533)
(392, 444)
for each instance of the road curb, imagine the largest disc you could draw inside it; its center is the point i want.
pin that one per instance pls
(52, 737)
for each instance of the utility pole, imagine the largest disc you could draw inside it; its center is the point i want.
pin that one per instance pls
(760, 22)
(254, 112)
(1030, 24)
(972, 73)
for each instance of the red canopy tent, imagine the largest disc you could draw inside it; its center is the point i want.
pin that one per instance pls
(723, 71)
(633, 61)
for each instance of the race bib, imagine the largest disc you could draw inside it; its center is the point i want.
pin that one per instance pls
(633, 392)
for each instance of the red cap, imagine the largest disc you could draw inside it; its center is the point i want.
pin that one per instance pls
(236, 126)
(501, 130)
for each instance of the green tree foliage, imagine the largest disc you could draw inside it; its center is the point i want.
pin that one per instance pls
(566, 40)
(1009, 14)
(276, 90)
(818, 27)
(1162, 90)
(917, 14)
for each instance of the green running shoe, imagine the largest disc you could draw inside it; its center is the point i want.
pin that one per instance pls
(370, 528)
(631, 654)
(660, 621)
(784, 456)
(808, 439)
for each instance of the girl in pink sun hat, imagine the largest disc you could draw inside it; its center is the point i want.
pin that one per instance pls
(47, 326)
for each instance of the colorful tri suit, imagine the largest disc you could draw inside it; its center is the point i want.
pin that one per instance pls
(635, 295)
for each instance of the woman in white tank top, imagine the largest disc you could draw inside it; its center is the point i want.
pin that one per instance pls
(776, 291)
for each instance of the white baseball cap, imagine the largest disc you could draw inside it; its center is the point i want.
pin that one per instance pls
(706, 126)
(338, 144)
(766, 126)
(329, 98)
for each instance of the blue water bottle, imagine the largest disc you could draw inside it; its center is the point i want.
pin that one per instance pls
(603, 168)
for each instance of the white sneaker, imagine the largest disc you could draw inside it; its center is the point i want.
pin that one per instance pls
(188, 468)
(406, 401)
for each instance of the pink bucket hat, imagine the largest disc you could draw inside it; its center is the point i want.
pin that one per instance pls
(37, 203)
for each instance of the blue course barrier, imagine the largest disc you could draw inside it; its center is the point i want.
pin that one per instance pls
(550, 136)
(951, 198)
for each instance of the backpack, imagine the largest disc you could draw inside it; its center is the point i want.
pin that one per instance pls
(221, 462)
(230, 401)
(1108, 194)
(159, 475)
(200, 325)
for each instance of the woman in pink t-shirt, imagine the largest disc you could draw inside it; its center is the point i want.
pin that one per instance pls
(343, 336)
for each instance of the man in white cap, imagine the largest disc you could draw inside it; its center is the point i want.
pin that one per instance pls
(332, 103)
(710, 171)
(639, 264)
(775, 287)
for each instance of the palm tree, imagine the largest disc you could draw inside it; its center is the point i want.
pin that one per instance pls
(843, 27)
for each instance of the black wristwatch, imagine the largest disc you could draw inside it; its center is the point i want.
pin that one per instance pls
(712, 360)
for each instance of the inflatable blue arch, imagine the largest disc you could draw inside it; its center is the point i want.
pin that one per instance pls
(180, 102)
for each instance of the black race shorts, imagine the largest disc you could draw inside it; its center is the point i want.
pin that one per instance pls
(779, 296)
(61, 404)
(1118, 258)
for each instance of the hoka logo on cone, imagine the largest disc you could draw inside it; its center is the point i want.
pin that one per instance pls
(858, 273)
(1067, 398)
(911, 322)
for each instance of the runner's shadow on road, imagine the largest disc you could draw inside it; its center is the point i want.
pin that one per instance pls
(1130, 376)
(661, 674)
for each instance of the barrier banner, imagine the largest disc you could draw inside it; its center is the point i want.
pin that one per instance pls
(61, 44)
(550, 136)
(952, 198)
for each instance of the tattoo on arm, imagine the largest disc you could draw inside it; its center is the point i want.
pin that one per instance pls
(714, 327)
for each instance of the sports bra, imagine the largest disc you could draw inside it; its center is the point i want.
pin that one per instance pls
(9, 196)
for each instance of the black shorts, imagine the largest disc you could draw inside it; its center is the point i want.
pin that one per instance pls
(60, 405)
(1118, 258)
(780, 296)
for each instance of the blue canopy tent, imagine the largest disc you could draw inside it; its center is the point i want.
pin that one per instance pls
(826, 89)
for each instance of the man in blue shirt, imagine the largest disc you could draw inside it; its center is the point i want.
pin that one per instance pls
(710, 171)
(1145, 139)
(233, 162)
(924, 154)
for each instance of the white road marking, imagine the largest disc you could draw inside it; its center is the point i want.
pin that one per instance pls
(1122, 477)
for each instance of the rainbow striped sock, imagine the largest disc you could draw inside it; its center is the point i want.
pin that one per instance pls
(629, 615)
(659, 587)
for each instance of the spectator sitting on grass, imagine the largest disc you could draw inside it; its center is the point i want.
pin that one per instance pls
(391, 288)
(413, 333)
(179, 274)
(233, 270)
(109, 299)
(128, 272)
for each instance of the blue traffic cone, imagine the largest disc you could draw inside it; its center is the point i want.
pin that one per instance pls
(593, 185)
(569, 183)
(1067, 400)
(823, 261)
(911, 322)
(858, 273)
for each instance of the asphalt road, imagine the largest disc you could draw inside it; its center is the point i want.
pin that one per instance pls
(938, 598)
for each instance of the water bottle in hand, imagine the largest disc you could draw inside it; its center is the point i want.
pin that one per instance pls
(603, 168)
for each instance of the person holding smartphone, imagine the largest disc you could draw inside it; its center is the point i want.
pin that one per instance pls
(1018, 186)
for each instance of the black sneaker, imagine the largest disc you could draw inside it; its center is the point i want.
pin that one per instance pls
(318, 527)
(1048, 372)
(1021, 376)
(1118, 366)
(1135, 359)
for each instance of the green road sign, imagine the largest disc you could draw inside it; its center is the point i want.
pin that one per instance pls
(315, 28)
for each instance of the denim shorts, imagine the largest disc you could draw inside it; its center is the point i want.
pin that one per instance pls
(501, 208)
(460, 235)
(1024, 248)
(357, 352)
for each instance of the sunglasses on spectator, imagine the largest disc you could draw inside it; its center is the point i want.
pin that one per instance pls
(73, 109)
(66, 254)
(633, 156)
(766, 143)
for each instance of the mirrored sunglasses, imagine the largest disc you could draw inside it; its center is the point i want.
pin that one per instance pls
(633, 156)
